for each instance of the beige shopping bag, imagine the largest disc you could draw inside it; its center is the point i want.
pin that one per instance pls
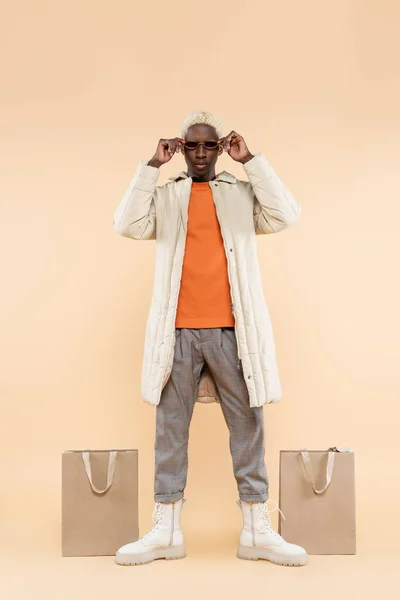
(317, 498)
(99, 501)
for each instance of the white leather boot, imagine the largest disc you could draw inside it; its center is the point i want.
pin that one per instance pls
(164, 540)
(259, 540)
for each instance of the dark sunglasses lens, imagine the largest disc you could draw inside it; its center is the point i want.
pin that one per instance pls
(209, 145)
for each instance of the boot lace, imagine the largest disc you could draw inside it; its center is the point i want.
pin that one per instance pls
(156, 518)
(264, 511)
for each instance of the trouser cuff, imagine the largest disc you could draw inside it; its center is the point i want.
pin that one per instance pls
(254, 497)
(167, 498)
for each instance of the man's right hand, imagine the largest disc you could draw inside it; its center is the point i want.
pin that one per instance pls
(165, 151)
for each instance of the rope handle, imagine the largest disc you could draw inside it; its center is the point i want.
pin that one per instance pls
(308, 468)
(110, 470)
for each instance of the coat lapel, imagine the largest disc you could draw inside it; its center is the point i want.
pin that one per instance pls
(185, 195)
(222, 176)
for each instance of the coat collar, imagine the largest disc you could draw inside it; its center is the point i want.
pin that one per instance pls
(223, 176)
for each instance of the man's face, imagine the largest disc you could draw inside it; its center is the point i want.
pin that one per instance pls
(201, 155)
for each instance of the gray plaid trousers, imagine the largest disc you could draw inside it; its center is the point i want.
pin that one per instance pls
(218, 348)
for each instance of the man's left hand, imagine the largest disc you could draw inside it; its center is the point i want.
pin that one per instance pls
(236, 147)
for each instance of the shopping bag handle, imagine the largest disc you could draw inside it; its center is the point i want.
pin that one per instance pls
(309, 469)
(110, 471)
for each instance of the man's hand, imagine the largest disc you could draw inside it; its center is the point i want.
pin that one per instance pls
(235, 146)
(165, 150)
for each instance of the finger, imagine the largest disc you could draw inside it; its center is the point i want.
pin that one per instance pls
(167, 147)
(228, 140)
(234, 139)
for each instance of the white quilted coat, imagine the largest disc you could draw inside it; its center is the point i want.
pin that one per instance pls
(244, 208)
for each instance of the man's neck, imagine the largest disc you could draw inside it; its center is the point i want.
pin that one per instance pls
(200, 180)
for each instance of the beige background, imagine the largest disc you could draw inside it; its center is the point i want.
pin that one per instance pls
(87, 90)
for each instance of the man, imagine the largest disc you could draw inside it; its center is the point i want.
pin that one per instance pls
(208, 310)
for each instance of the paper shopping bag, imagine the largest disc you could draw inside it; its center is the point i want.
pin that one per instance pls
(317, 498)
(99, 501)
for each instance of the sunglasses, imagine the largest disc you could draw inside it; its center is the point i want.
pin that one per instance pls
(210, 145)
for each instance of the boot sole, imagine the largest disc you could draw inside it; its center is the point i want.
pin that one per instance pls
(250, 553)
(169, 553)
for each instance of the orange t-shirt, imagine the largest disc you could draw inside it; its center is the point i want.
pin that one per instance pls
(204, 296)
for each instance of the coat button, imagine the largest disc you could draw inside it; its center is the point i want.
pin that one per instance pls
(230, 249)
(248, 377)
(215, 183)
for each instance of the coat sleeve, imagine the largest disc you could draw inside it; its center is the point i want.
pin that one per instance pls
(135, 216)
(275, 208)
